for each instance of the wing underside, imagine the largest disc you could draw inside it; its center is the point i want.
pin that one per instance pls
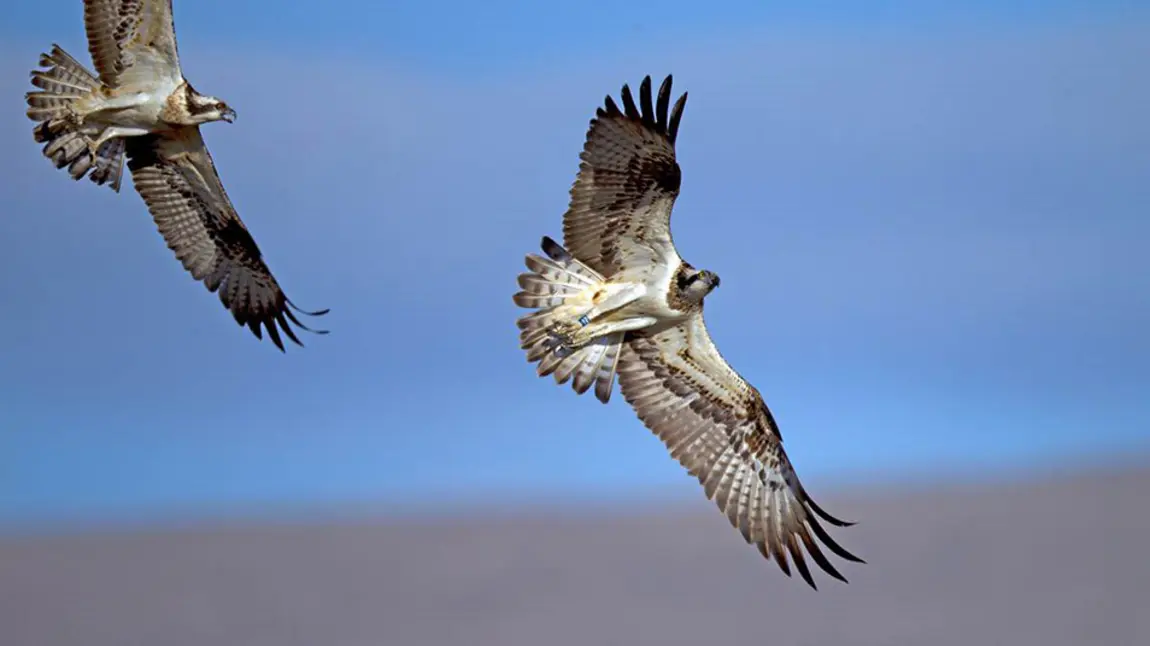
(132, 41)
(718, 427)
(175, 175)
(619, 213)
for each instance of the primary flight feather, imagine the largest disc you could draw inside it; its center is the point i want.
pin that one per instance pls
(141, 107)
(616, 300)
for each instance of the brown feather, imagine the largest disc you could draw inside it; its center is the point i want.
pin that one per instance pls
(551, 287)
(61, 86)
(628, 180)
(118, 30)
(175, 175)
(720, 429)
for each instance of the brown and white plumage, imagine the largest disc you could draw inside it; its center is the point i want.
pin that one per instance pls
(133, 46)
(175, 175)
(63, 85)
(718, 427)
(558, 285)
(619, 216)
(129, 37)
(618, 283)
(141, 107)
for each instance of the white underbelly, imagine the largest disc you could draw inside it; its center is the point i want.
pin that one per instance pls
(658, 288)
(654, 304)
(142, 115)
(135, 110)
(651, 301)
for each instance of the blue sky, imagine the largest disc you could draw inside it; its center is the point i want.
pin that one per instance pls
(929, 220)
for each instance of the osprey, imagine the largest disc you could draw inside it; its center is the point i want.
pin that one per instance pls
(142, 106)
(618, 299)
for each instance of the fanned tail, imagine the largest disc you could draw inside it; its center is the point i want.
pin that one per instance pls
(559, 288)
(62, 84)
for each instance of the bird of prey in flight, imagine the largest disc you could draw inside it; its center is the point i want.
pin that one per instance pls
(141, 107)
(616, 299)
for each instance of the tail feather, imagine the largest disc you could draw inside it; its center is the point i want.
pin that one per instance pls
(552, 282)
(61, 86)
(557, 288)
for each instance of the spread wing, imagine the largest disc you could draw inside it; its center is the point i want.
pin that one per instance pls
(719, 428)
(123, 34)
(619, 216)
(175, 175)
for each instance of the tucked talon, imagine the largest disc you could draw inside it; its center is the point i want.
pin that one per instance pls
(564, 338)
(584, 320)
(72, 116)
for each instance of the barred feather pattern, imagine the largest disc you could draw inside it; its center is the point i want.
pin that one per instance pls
(618, 219)
(719, 428)
(63, 85)
(559, 287)
(175, 175)
(131, 40)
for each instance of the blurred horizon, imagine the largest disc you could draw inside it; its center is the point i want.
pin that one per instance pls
(844, 492)
(969, 564)
(929, 220)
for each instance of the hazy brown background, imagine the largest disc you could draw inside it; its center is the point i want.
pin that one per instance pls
(1057, 560)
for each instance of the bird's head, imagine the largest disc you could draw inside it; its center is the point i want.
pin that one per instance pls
(695, 284)
(203, 108)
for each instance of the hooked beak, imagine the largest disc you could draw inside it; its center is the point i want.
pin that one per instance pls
(228, 115)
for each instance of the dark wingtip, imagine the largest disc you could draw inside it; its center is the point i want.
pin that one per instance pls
(292, 317)
(825, 516)
(800, 562)
(280, 324)
(274, 333)
(609, 108)
(651, 113)
(789, 545)
(629, 107)
(830, 542)
(821, 559)
(296, 308)
(554, 250)
(647, 113)
(676, 117)
(663, 102)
